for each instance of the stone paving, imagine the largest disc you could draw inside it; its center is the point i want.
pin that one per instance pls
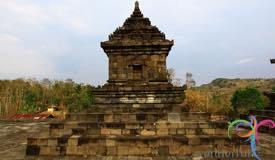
(13, 136)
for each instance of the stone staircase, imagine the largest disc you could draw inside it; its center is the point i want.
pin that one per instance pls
(139, 134)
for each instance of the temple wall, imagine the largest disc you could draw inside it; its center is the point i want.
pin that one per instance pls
(152, 67)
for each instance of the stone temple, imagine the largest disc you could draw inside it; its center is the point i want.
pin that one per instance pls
(137, 113)
(137, 54)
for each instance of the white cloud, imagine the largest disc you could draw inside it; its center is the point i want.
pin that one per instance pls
(17, 61)
(246, 60)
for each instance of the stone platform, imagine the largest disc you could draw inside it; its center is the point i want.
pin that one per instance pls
(143, 97)
(157, 135)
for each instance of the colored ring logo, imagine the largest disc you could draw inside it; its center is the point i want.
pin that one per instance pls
(252, 135)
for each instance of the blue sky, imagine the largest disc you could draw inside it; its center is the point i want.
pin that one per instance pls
(61, 39)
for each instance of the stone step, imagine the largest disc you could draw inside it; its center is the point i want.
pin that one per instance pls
(263, 113)
(138, 117)
(130, 145)
(136, 128)
(124, 108)
(97, 157)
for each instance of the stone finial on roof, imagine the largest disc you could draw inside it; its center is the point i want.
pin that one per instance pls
(137, 12)
(136, 4)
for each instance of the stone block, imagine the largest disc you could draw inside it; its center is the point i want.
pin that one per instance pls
(220, 131)
(44, 151)
(134, 151)
(199, 148)
(174, 117)
(124, 118)
(32, 141)
(172, 131)
(101, 150)
(154, 144)
(132, 118)
(134, 132)
(162, 131)
(110, 142)
(32, 150)
(83, 150)
(208, 131)
(125, 132)
(73, 140)
(174, 150)
(181, 131)
(105, 131)
(190, 131)
(144, 151)
(111, 151)
(55, 132)
(219, 141)
(115, 131)
(194, 140)
(50, 151)
(42, 142)
(149, 126)
(108, 118)
(122, 151)
(70, 125)
(185, 150)
(66, 131)
(141, 117)
(136, 105)
(52, 142)
(72, 150)
(191, 125)
(94, 132)
(173, 125)
(163, 150)
(92, 150)
(142, 144)
(146, 132)
(117, 118)
(161, 125)
(181, 125)
(204, 125)
(152, 118)
(165, 142)
(132, 126)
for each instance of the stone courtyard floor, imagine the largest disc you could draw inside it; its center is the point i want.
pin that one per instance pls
(13, 137)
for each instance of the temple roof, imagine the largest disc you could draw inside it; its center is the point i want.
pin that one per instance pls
(137, 29)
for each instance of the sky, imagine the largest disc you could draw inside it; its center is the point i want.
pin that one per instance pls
(61, 39)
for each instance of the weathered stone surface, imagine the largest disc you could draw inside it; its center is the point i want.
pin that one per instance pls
(173, 117)
(146, 132)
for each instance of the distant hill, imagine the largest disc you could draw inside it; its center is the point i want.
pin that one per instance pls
(219, 92)
(233, 84)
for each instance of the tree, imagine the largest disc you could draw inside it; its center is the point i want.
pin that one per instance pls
(190, 82)
(29, 99)
(171, 76)
(245, 99)
(194, 101)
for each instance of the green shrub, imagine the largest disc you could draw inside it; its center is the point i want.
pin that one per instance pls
(246, 99)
